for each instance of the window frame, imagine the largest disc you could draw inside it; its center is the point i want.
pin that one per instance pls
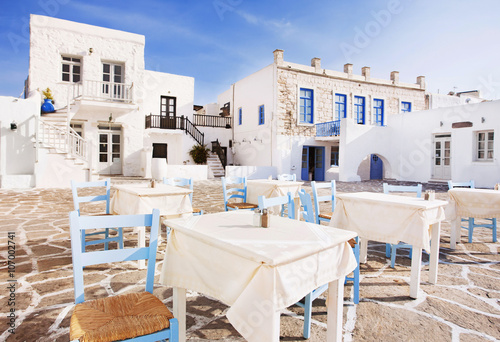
(303, 116)
(356, 106)
(486, 149)
(403, 109)
(71, 72)
(335, 103)
(334, 155)
(262, 115)
(376, 115)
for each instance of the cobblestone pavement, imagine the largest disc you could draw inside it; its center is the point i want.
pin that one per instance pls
(463, 306)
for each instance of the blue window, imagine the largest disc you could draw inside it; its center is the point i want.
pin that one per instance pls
(359, 109)
(405, 107)
(240, 116)
(378, 109)
(306, 106)
(261, 115)
(334, 156)
(340, 105)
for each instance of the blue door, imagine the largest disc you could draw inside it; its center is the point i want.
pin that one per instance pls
(305, 164)
(319, 163)
(376, 167)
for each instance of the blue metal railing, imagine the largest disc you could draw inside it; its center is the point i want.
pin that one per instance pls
(328, 129)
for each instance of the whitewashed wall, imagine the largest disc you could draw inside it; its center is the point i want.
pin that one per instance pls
(17, 152)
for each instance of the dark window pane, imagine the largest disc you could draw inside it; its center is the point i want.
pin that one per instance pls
(106, 68)
(65, 77)
(103, 148)
(103, 138)
(76, 78)
(65, 68)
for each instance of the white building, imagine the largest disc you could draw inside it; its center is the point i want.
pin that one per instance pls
(288, 115)
(111, 115)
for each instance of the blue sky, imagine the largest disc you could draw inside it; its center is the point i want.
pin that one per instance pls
(453, 43)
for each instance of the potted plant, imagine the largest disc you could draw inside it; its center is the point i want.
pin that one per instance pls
(47, 106)
(199, 153)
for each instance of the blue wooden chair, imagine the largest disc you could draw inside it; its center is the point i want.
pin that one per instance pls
(471, 222)
(131, 317)
(287, 177)
(324, 198)
(106, 185)
(236, 193)
(309, 216)
(284, 201)
(391, 249)
(183, 182)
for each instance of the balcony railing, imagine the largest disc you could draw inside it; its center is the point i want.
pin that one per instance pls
(175, 122)
(328, 129)
(212, 121)
(103, 91)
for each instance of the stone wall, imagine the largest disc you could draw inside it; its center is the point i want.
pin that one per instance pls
(291, 79)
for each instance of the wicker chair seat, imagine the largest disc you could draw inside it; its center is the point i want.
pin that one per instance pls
(119, 317)
(242, 205)
(327, 216)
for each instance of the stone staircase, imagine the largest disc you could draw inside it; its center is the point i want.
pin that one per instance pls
(215, 165)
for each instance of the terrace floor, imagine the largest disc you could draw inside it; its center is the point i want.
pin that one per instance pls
(463, 306)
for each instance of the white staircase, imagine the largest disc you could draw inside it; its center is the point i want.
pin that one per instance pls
(215, 165)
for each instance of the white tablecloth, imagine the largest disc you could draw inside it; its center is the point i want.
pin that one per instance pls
(139, 198)
(256, 271)
(478, 203)
(270, 188)
(388, 218)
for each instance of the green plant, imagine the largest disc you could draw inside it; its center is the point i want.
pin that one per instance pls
(48, 94)
(199, 153)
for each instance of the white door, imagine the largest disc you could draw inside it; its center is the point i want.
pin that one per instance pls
(112, 77)
(442, 156)
(110, 151)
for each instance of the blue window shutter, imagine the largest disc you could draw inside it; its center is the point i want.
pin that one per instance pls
(340, 106)
(359, 109)
(306, 106)
(261, 115)
(240, 116)
(405, 107)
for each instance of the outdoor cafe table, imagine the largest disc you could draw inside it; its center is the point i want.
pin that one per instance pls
(140, 198)
(256, 271)
(273, 188)
(477, 203)
(391, 219)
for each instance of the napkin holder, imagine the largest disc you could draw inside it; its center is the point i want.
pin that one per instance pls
(429, 195)
(153, 183)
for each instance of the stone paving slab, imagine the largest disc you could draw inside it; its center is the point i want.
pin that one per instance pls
(463, 306)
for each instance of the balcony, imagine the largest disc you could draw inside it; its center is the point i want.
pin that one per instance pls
(328, 129)
(174, 122)
(103, 91)
(212, 121)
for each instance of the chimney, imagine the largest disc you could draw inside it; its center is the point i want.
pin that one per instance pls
(421, 81)
(348, 69)
(316, 63)
(278, 57)
(365, 71)
(395, 77)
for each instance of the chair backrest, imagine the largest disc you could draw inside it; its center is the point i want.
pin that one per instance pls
(83, 199)
(287, 177)
(236, 192)
(324, 198)
(82, 259)
(403, 188)
(469, 184)
(265, 203)
(179, 181)
(306, 203)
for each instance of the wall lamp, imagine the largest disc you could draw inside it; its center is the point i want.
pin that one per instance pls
(91, 50)
(110, 117)
(440, 123)
(483, 119)
(13, 126)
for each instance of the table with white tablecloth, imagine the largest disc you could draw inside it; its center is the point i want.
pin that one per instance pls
(256, 271)
(476, 203)
(391, 219)
(141, 198)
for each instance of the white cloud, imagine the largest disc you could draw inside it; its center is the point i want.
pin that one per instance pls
(283, 26)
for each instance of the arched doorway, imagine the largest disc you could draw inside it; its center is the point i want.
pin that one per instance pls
(374, 166)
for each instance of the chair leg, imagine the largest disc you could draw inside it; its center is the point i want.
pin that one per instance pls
(387, 250)
(307, 315)
(471, 228)
(106, 236)
(356, 275)
(394, 248)
(83, 241)
(494, 227)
